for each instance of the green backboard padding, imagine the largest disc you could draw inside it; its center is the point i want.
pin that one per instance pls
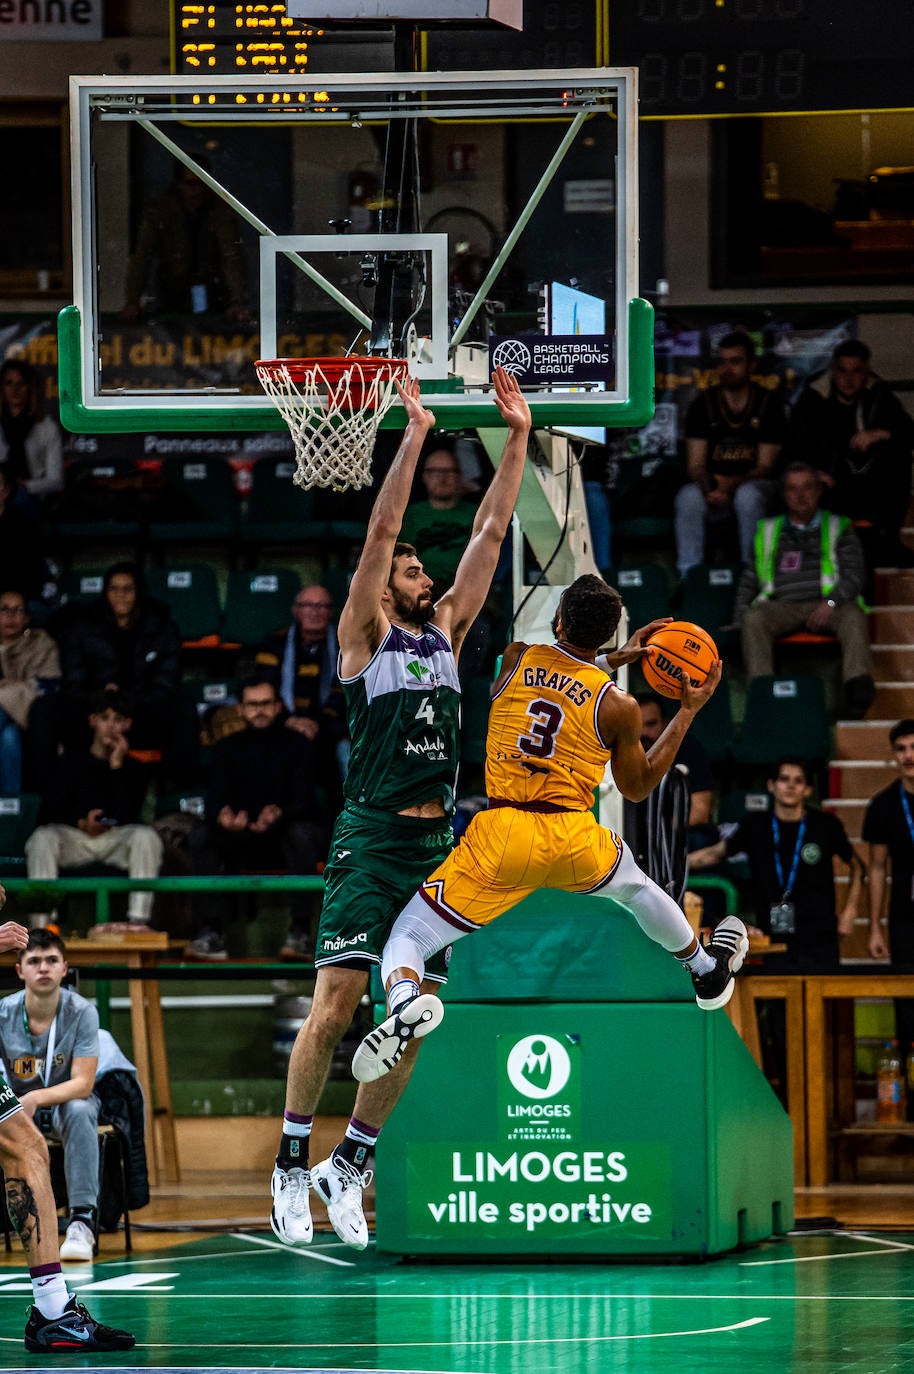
(558, 946)
(636, 1129)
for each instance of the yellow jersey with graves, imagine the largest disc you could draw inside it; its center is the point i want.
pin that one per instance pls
(543, 744)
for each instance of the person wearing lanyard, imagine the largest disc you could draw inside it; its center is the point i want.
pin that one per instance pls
(49, 1045)
(57, 1324)
(790, 851)
(888, 828)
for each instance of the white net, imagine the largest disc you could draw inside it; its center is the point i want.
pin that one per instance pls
(333, 408)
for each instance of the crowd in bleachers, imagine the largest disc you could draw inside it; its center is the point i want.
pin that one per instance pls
(209, 650)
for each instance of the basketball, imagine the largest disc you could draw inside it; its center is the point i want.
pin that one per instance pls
(677, 649)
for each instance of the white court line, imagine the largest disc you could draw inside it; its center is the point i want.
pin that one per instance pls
(305, 1253)
(840, 1254)
(429, 1345)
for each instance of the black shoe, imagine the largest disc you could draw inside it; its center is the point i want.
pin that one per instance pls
(73, 1333)
(859, 695)
(729, 945)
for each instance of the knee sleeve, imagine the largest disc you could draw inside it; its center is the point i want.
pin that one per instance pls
(655, 911)
(417, 934)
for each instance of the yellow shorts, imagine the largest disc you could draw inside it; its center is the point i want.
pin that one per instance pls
(508, 853)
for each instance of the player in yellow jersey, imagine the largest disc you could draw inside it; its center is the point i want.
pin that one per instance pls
(556, 720)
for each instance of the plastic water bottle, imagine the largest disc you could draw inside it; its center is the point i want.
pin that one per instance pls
(890, 1093)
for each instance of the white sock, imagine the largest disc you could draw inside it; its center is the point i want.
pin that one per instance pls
(51, 1295)
(402, 991)
(700, 961)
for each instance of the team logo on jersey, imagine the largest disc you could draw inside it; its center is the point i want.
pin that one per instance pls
(418, 670)
(810, 853)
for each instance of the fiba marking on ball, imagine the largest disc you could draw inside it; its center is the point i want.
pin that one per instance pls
(678, 650)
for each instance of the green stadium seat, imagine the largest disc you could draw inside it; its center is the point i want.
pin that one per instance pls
(733, 806)
(103, 502)
(18, 817)
(257, 603)
(709, 599)
(475, 700)
(191, 593)
(784, 716)
(645, 591)
(279, 512)
(713, 726)
(204, 491)
(82, 584)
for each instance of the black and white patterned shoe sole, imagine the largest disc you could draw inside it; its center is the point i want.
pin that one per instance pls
(731, 939)
(382, 1049)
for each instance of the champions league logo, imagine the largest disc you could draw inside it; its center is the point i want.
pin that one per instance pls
(513, 356)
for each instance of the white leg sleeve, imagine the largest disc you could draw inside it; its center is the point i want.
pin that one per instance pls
(417, 934)
(656, 913)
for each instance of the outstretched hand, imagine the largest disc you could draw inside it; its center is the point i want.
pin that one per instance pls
(416, 413)
(510, 401)
(693, 698)
(635, 647)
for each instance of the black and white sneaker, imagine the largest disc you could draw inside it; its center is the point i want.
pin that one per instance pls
(383, 1047)
(74, 1332)
(729, 945)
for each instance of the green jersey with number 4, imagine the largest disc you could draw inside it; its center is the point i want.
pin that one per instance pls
(404, 722)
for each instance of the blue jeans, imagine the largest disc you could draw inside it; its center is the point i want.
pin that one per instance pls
(10, 756)
(750, 505)
(597, 504)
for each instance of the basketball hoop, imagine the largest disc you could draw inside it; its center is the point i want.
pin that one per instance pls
(333, 407)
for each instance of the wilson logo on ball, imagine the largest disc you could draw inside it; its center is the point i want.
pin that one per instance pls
(677, 651)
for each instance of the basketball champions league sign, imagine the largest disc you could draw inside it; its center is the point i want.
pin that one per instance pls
(537, 361)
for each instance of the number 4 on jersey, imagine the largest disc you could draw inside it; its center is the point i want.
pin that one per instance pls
(426, 711)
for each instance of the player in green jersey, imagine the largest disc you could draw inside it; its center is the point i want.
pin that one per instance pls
(398, 668)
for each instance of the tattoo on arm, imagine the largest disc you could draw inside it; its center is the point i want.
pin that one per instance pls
(23, 1213)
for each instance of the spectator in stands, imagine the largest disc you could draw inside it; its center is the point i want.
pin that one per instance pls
(807, 574)
(790, 850)
(440, 525)
(29, 665)
(129, 641)
(21, 561)
(854, 429)
(734, 432)
(90, 812)
(261, 812)
(692, 756)
(31, 449)
(301, 662)
(888, 828)
(49, 1046)
(188, 257)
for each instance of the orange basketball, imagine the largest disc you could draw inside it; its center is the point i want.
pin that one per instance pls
(678, 649)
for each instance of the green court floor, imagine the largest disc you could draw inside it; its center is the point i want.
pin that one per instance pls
(825, 1302)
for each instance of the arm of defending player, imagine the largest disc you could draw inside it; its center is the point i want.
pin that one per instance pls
(362, 625)
(460, 606)
(508, 664)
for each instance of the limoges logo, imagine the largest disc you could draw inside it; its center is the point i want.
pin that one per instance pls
(539, 1066)
(539, 1087)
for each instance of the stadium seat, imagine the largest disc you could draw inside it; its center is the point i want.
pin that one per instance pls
(709, 598)
(203, 490)
(191, 593)
(279, 512)
(713, 726)
(645, 591)
(784, 716)
(18, 816)
(475, 700)
(257, 603)
(82, 584)
(103, 502)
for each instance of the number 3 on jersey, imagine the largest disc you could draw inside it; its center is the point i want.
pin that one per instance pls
(545, 720)
(426, 711)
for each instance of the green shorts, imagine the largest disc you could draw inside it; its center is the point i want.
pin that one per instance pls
(377, 861)
(9, 1102)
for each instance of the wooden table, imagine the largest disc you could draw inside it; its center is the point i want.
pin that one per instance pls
(817, 992)
(744, 1015)
(149, 1052)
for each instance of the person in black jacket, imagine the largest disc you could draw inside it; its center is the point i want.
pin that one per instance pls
(261, 812)
(90, 812)
(125, 640)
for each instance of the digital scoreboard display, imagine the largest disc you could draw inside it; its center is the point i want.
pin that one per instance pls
(726, 57)
(219, 37)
